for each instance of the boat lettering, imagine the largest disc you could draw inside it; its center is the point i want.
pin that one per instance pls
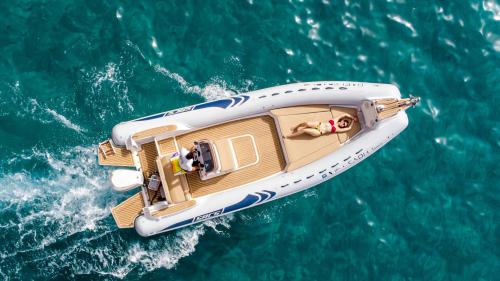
(377, 146)
(358, 157)
(208, 215)
(180, 110)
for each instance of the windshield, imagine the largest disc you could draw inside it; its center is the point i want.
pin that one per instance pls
(204, 155)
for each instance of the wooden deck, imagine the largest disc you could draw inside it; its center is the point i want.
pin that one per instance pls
(149, 153)
(304, 149)
(268, 151)
(391, 107)
(174, 208)
(153, 132)
(122, 157)
(244, 150)
(167, 146)
(263, 130)
(147, 157)
(126, 212)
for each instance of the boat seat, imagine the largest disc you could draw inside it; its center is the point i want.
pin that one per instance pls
(236, 152)
(150, 133)
(226, 156)
(305, 149)
(172, 184)
(245, 150)
(263, 129)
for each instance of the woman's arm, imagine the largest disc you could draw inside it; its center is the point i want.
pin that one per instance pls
(346, 115)
(341, 130)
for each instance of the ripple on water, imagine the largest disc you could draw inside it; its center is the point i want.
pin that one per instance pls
(403, 22)
(431, 109)
(119, 13)
(29, 108)
(427, 200)
(105, 90)
(493, 7)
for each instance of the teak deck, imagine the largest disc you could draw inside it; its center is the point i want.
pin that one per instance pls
(268, 150)
(122, 157)
(392, 107)
(126, 212)
(175, 208)
(304, 149)
(262, 128)
(271, 159)
(147, 156)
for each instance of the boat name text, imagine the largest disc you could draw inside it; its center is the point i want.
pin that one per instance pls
(208, 215)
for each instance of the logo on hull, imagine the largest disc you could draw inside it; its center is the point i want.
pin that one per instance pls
(208, 215)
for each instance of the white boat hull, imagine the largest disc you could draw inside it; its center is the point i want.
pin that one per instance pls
(346, 94)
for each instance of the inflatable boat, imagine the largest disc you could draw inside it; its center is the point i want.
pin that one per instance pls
(243, 149)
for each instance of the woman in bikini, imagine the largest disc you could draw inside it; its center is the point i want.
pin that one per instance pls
(316, 128)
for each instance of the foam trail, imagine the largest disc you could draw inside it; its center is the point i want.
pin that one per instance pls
(212, 91)
(66, 198)
(33, 108)
(64, 120)
(71, 206)
(179, 79)
(113, 75)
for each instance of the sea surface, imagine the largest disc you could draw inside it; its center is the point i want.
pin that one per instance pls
(425, 207)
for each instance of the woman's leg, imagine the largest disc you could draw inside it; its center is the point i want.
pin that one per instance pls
(297, 132)
(296, 127)
(308, 124)
(309, 131)
(312, 132)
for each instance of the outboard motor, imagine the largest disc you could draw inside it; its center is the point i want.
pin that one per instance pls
(126, 179)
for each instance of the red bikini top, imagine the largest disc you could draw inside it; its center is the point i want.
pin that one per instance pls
(332, 124)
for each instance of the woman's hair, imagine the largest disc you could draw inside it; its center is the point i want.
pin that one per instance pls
(347, 119)
(190, 155)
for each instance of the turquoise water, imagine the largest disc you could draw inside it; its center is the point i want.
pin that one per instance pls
(425, 207)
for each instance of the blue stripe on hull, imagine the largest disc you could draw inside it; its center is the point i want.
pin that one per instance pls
(181, 223)
(218, 103)
(224, 103)
(151, 117)
(249, 200)
(245, 98)
(263, 196)
(272, 193)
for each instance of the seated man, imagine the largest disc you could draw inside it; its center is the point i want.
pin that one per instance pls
(186, 160)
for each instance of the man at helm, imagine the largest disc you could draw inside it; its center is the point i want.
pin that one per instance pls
(186, 160)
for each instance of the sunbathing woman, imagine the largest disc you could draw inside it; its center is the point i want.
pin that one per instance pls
(317, 128)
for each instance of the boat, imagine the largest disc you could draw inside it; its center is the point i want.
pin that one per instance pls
(243, 149)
